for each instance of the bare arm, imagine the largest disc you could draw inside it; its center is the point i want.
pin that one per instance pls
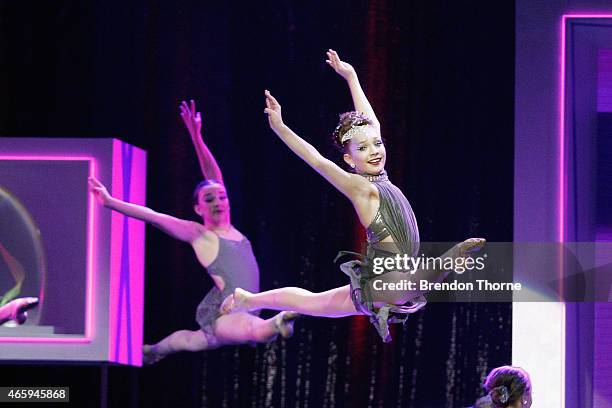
(193, 122)
(177, 228)
(351, 185)
(346, 71)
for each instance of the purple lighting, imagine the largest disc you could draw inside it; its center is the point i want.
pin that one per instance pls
(562, 197)
(93, 309)
(89, 324)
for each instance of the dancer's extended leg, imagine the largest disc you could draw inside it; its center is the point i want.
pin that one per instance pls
(181, 340)
(337, 302)
(332, 303)
(237, 328)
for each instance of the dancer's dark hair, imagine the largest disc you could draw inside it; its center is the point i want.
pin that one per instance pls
(505, 386)
(201, 185)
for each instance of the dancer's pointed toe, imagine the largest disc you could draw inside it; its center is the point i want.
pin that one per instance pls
(473, 245)
(150, 355)
(236, 302)
(241, 298)
(227, 305)
(284, 323)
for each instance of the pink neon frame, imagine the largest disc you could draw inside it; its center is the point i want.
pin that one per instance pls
(137, 239)
(91, 224)
(562, 197)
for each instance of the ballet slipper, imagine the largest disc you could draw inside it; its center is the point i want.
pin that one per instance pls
(226, 306)
(150, 355)
(236, 302)
(470, 245)
(284, 323)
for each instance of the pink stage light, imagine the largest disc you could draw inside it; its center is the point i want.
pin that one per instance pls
(89, 315)
(562, 169)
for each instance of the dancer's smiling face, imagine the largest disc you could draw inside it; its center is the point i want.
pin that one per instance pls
(366, 151)
(213, 205)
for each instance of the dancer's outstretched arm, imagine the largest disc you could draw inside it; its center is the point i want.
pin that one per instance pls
(193, 122)
(346, 71)
(177, 228)
(355, 187)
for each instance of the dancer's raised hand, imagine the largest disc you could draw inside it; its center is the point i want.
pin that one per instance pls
(191, 118)
(99, 191)
(344, 69)
(273, 109)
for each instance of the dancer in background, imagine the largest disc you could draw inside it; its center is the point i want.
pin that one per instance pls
(382, 209)
(223, 250)
(506, 387)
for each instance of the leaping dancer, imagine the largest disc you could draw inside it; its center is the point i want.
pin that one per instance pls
(381, 207)
(224, 251)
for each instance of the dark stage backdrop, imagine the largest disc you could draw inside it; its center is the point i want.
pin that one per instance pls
(440, 76)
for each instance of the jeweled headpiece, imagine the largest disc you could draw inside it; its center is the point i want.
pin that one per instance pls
(352, 132)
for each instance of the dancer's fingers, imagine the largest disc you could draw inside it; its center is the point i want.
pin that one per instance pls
(184, 106)
(193, 107)
(273, 99)
(269, 102)
(94, 180)
(96, 185)
(332, 60)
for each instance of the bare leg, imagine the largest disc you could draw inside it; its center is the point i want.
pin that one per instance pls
(337, 302)
(332, 303)
(237, 328)
(181, 340)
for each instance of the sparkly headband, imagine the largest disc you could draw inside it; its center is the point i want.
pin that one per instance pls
(352, 132)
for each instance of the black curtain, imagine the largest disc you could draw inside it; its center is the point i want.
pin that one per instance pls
(440, 76)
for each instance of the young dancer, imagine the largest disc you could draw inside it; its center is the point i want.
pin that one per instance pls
(223, 250)
(382, 209)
